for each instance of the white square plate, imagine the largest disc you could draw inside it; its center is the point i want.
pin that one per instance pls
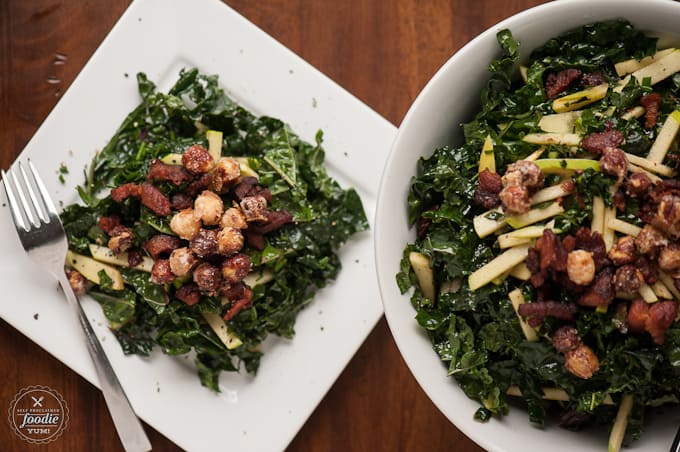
(160, 37)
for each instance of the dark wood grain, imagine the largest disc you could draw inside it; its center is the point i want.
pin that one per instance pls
(383, 52)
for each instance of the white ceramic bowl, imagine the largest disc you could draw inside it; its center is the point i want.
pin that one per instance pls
(449, 99)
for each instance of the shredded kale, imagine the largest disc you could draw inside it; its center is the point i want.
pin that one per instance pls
(302, 256)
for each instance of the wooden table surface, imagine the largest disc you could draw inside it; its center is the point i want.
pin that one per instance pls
(381, 51)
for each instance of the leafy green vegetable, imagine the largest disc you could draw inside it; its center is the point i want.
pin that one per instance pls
(302, 255)
(476, 334)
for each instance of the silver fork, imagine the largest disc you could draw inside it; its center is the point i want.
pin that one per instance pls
(44, 239)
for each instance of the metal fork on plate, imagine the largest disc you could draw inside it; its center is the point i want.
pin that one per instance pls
(42, 236)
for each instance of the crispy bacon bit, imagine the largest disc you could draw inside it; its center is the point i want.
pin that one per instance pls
(535, 312)
(244, 301)
(655, 318)
(248, 186)
(628, 279)
(638, 185)
(651, 102)
(565, 338)
(77, 282)
(181, 201)
(161, 245)
(581, 361)
(648, 269)
(235, 268)
(122, 192)
(488, 188)
(614, 162)
(638, 311)
(557, 82)
(189, 293)
(197, 160)
(199, 184)
(162, 171)
(623, 252)
(255, 239)
(106, 224)
(619, 200)
(204, 243)
(161, 273)
(661, 317)
(208, 278)
(275, 219)
(597, 142)
(601, 292)
(155, 200)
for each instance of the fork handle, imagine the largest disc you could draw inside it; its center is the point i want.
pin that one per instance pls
(129, 428)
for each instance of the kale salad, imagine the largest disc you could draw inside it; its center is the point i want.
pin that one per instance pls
(204, 228)
(546, 265)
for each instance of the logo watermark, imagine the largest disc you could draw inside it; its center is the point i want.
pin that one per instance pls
(38, 414)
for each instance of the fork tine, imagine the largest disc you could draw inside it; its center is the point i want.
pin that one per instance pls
(24, 202)
(31, 194)
(42, 190)
(13, 203)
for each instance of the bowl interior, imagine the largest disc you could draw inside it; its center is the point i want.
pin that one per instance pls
(450, 98)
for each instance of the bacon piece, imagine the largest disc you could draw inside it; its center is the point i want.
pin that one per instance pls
(275, 219)
(181, 201)
(597, 142)
(107, 223)
(155, 200)
(601, 292)
(661, 317)
(651, 102)
(189, 293)
(638, 311)
(488, 187)
(648, 269)
(162, 171)
(535, 312)
(255, 239)
(161, 245)
(197, 160)
(161, 273)
(122, 192)
(248, 186)
(557, 82)
(199, 184)
(243, 301)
